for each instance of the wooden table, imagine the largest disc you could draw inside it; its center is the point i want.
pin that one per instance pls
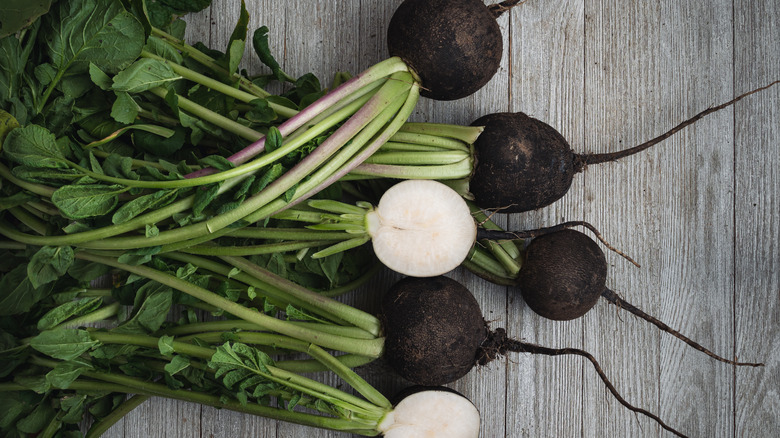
(700, 211)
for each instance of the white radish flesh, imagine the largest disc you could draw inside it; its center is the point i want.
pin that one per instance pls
(421, 228)
(432, 414)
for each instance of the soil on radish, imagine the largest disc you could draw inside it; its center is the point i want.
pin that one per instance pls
(522, 163)
(563, 275)
(454, 46)
(433, 328)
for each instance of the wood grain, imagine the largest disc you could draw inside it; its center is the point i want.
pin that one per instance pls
(700, 211)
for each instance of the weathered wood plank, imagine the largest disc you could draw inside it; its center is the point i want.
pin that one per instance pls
(757, 217)
(547, 52)
(650, 66)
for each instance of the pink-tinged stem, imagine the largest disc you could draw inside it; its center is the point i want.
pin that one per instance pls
(374, 73)
(356, 160)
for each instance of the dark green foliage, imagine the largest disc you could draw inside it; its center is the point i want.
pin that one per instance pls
(18, 14)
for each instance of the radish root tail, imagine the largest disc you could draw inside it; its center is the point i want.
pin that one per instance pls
(584, 160)
(498, 343)
(530, 234)
(613, 298)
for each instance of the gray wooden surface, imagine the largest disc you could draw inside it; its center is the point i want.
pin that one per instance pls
(700, 212)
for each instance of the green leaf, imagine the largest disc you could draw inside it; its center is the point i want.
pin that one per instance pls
(165, 345)
(268, 177)
(204, 197)
(58, 116)
(160, 131)
(263, 51)
(49, 263)
(144, 74)
(18, 14)
(143, 203)
(76, 86)
(93, 31)
(178, 363)
(87, 271)
(218, 162)
(74, 407)
(17, 294)
(119, 166)
(34, 146)
(162, 49)
(46, 175)
(7, 124)
(293, 402)
(139, 256)
(14, 404)
(151, 314)
(290, 193)
(261, 112)
(12, 64)
(273, 140)
(68, 310)
(63, 344)
(35, 382)
(163, 146)
(65, 373)
(87, 200)
(45, 73)
(124, 110)
(330, 266)
(99, 77)
(237, 41)
(37, 419)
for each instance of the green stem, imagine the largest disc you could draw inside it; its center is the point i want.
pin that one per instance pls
(349, 376)
(418, 158)
(210, 116)
(38, 189)
(204, 80)
(288, 234)
(481, 258)
(129, 385)
(278, 296)
(101, 235)
(29, 220)
(101, 314)
(459, 170)
(354, 284)
(51, 429)
(209, 62)
(358, 318)
(484, 221)
(405, 136)
(269, 201)
(248, 250)
(466, 134)
(371, 348)
(151, 342)
(196, 329)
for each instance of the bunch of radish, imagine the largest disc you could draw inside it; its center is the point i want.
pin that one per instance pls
(430, 330)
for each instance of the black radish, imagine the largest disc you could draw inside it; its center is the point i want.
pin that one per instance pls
(524, 164)
(564, 273)
(454, 46)
(435, 333)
